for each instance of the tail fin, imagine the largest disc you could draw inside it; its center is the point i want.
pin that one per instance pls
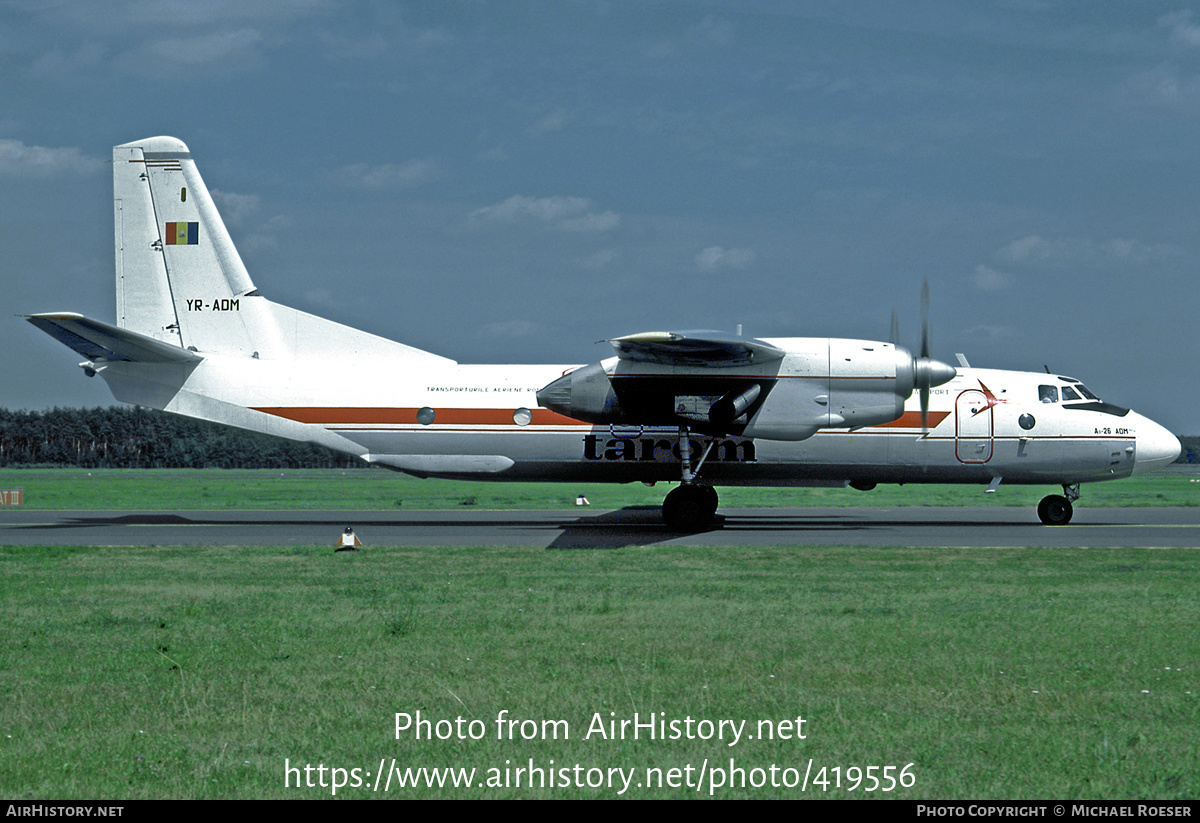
(180, 279)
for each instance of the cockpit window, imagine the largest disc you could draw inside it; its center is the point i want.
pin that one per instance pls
(1070, 393)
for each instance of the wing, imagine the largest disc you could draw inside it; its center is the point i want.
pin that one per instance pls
(694, 348)
(709, 380)
(100, 341)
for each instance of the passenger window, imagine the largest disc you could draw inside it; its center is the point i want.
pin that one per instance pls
(1048, 394)
(1068, 393)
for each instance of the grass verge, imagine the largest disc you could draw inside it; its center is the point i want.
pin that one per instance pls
(202, 672)
(369, 489)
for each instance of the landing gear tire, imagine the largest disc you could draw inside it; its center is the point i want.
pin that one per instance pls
(690, 508)
(1055, 510)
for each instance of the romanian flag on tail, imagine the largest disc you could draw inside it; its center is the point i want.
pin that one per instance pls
(183, 234)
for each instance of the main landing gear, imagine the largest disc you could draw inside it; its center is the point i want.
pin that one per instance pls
(1056, 509)
(691, 507)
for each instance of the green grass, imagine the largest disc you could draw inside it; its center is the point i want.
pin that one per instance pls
(164, 672)
(371, 489)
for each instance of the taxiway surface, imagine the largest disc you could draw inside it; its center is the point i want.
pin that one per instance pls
(916, 526)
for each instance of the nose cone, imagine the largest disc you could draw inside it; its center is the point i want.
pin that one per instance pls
(1156, 447)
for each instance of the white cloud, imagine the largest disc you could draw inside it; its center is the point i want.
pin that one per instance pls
(554, 121)
(1038, 251)
(390, 175)
(266, 235)
(1169, 84)
(711, 31)
(565, 213)
(985, 278)
(18, 159)
(495, 155)
(1183, 30)
(1029, 249)
(235, 208)
(115, 14)
(1162, 86)
(715, 258)
(59, 63)
(592, 222)
(1122, 250)
(208, 49)
(600, 260)
(239, 211)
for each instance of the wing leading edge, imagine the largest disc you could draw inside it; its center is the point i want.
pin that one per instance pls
(694, 348)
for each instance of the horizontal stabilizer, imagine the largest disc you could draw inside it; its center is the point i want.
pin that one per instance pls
(694, 348)
(100, 341)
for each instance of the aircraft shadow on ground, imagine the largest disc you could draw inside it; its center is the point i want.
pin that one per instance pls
(633, 526)
(639, 526)
(630, 526)
(643, 525)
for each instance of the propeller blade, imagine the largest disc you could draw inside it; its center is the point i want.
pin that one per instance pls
(925, 343)
(929, 372)
(926, 372)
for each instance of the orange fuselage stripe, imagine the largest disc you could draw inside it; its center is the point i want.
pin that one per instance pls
(912, 420)
(336, 415)
(372, 415)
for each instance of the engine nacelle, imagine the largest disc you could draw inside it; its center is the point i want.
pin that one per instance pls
(812, 384)
(585, 393)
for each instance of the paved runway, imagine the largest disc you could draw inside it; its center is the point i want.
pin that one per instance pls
(574, 529)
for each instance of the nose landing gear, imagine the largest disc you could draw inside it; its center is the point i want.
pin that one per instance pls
(1057, 509)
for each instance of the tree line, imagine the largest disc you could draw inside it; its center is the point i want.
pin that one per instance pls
(132, 437)
(1190, 453)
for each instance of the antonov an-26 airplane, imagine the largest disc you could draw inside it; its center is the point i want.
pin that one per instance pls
(195, 337)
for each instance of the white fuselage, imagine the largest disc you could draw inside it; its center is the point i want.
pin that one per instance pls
(483, 422)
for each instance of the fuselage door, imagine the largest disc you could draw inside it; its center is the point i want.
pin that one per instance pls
(973, 427)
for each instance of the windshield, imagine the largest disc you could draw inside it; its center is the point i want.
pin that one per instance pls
(1074, 395)
(1069, 390)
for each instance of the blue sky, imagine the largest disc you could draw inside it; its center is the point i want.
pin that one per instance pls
(512, 181)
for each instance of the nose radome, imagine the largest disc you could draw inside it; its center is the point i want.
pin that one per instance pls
(1156, 447)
